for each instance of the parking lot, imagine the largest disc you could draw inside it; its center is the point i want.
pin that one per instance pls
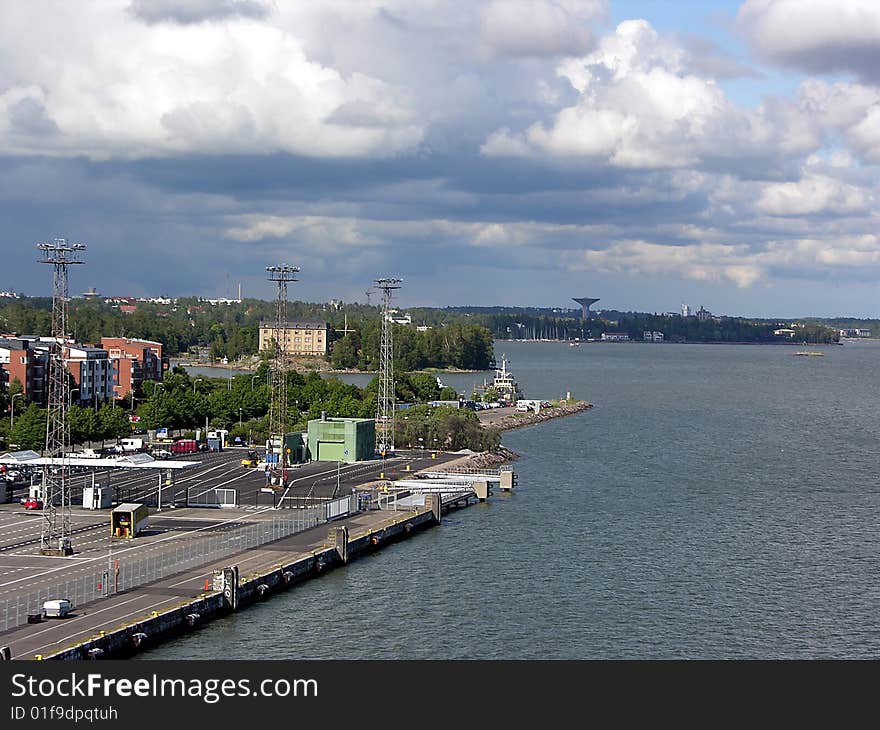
(24, 569)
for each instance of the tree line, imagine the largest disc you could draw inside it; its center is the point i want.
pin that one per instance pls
(183, 403)
(232, 330)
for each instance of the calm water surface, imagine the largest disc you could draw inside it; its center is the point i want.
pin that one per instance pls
(718, 502)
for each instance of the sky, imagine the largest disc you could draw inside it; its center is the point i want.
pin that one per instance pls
(494, 152)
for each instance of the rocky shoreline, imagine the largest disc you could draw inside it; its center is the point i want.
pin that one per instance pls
(521, 420)
(503, 455)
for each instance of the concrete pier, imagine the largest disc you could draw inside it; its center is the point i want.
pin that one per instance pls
(122, 625)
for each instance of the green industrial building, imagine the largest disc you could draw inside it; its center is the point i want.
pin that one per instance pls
(342, 439)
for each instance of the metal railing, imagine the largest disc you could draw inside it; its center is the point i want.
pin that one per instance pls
(163, 560)
(213, 497)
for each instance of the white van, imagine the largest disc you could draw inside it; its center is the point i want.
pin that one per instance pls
(56, 609)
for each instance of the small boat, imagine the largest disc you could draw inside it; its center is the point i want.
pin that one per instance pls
(574, 343)
(810, 354)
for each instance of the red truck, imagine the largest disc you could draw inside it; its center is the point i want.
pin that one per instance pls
(185, 446)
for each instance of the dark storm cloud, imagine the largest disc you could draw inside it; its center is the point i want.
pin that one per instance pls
(185, 12)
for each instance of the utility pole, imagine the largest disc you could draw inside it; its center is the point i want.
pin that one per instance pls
(281, 275)
(385, 406)
(55, 534)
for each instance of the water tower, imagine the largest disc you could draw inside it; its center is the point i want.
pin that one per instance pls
(586, 303)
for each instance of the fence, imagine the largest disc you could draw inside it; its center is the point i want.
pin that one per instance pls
(122, 573)
(332, 509)
(214, 497)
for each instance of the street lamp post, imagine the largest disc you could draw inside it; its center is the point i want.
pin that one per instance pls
(253, 377)
(197, 380)
(239, 419)
(12, 405)
(70, 396)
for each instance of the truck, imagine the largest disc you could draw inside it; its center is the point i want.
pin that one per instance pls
(128, 520)
(58, 608)
(185, 446)
(524, 406)
(127, 446)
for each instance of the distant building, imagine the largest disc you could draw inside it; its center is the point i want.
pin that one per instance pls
(298, 338)
(26, 359)
(134, 361)
(92, 371)
(615, 337)
(854, 332)
(9, 295)
(649, 336)
(785, 332)
(685, 310)
(395, 316)
(91, 293)
(703, 314)
(20, 361)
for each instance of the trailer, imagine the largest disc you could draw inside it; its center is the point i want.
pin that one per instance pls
(185, 446)
(128, 520)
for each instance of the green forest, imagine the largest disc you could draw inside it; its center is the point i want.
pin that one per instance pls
(232, 330)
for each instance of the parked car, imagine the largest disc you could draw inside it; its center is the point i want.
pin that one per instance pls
(162, 454)
(33, 503)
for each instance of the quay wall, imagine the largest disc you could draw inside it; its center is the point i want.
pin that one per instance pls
(127, 639)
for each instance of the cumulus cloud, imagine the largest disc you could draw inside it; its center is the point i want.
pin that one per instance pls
(700, 262)
(539, 27)
(739, 264)
(642, 105)
(349, 231)
(812, 195)
(137, 90)
(820, 36)
(348, 134)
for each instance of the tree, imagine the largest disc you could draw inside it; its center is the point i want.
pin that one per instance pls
(113, 423)
(29, 431)
(346, 352)
(84, 424)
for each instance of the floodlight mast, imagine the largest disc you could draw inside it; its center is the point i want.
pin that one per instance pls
(55, 532)
(282, 275)
(385, 406)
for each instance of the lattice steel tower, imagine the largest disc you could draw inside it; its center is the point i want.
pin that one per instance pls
(55, 535)
(385, 406)
(281, 275)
